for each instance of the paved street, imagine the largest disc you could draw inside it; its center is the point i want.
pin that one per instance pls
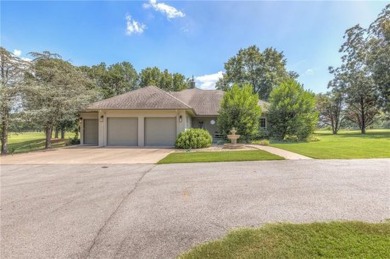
(149, 211)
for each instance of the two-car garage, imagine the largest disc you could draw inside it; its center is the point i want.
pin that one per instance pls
(124, 131)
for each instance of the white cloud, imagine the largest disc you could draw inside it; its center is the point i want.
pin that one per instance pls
(207, 82)
(309, 72)
(170, 11)
(134, 27)
(17, 52)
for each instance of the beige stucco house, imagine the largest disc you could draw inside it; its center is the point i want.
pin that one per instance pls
(150, 116)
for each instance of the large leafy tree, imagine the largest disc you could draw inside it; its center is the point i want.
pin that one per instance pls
(55, 92)
(364, 73)
(292, 111)
(378, 58)
(12, 70)
(263, 70)
(330, 108)
(163, 79)
(357, 83)
(240, 110)
(113, 80)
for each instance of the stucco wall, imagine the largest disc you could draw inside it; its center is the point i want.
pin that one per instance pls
(212, 129)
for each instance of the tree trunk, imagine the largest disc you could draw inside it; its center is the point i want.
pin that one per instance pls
(56, 133)
(48, 132)
(363, 117)
(4, 133)
(62, 133)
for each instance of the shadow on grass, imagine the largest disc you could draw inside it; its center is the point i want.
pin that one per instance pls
(34, 145)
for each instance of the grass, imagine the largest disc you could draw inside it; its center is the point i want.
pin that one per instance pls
(315, 240)
(221, 156)
(345, 145)
(31, 141)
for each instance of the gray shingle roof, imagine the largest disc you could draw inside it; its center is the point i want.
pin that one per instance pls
(146, 98)
(202, 102)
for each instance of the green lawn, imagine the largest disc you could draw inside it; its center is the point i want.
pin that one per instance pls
(218, 156)
(31, 141)
(346, 144)
(315, 240)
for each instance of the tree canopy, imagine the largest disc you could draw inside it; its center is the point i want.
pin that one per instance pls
(292, 112)
(363, 77)
(263, 70)
(240, 110)
(113, 80)
(55, 92)
(163, 79)
(12, 70)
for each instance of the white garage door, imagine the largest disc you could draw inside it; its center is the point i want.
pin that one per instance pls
(122, 131)
(160, 131)
(90, 132)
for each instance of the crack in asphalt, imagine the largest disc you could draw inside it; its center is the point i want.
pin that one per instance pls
(116, 210)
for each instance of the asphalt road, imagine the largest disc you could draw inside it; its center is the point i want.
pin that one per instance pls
(148, 211)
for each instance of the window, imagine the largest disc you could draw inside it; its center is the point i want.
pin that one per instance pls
(262, 123)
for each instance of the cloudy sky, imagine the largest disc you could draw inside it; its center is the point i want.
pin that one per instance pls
(190, 37)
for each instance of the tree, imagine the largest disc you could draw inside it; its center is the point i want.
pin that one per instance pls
(113, 80)
(163, 79)
(263, 70)
(330, 108)
(378, 61)
(12, 71)
(331, 105)
(240, 109)
(55, 92)
(292, 111)
(357, 83)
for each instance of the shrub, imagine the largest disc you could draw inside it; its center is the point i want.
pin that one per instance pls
(193, 138)
(262, 142)
(240, 110)
(291, 138)
(292, 113)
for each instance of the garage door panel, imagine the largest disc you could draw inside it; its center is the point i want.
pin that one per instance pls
(91, 132)
(122, 131)
(160, 131)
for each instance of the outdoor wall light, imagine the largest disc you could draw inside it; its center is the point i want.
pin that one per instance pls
(180, 118)
(101, 118)
(81, 118)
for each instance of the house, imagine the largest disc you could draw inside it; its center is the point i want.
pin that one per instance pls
(150, 116)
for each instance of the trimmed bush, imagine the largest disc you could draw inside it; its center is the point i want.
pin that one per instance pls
(193, 138)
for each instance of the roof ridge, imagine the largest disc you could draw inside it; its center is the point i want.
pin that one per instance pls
(170, 95)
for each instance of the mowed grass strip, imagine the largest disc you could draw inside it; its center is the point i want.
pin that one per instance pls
(315, 240)
(218, 156)
(31, 141)
(345, 145)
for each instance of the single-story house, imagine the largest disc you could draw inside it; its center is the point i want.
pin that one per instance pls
(150, 116)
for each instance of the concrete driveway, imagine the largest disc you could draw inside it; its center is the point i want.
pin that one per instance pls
(149, 211)
(89, 155)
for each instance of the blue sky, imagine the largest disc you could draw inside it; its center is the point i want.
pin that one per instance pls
(190, 37)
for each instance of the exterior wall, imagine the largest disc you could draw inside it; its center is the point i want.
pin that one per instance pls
(212, 129)
(86, 115)
(181, 124)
